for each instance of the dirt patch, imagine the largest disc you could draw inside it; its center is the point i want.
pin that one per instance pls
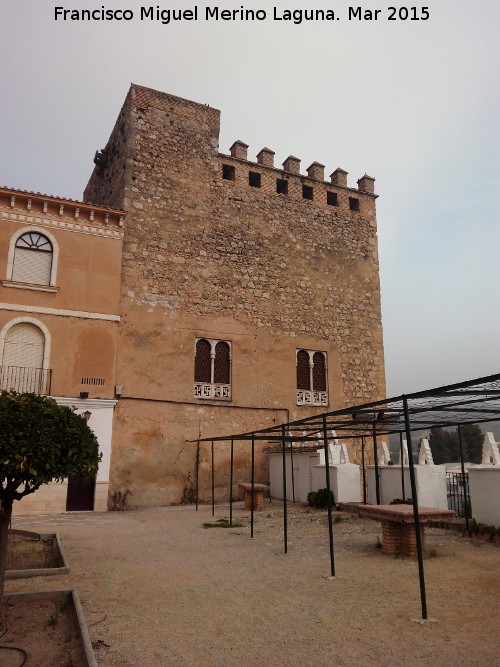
(159, 589)
(45, 630)
(27, 553)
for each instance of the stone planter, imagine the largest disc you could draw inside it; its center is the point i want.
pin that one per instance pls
(62, 565)
(69, 600)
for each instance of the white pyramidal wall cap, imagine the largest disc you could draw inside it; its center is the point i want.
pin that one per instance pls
(425, 453)
(405, 453)
(491, 454)
(383, 454)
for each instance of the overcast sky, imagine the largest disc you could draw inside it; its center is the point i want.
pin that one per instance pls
(412, 103)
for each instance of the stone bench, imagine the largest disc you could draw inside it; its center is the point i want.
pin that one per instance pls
(258, 492)
(398, 525)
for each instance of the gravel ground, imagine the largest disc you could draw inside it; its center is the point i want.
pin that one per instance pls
(159, 589)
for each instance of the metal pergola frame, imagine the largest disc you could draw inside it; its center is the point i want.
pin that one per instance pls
(470, 402)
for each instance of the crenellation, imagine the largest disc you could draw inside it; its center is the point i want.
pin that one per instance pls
(316, 171)
(239, 150)
(292, 185)
(265, 157)
(366, 184)
(339, 177)
(292, 164)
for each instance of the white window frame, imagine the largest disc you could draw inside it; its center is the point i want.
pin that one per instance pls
(28, 320)
(12, 250)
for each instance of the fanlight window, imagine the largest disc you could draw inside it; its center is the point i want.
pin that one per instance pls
(32, 259)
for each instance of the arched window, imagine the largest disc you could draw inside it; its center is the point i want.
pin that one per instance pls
(212, 369)
(32, 261)
(222, 363)
(202, 370)
(303, 375)
(319, 372)
(23, 359)
(312, 385)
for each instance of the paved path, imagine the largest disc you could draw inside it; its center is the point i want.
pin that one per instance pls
(157, 589)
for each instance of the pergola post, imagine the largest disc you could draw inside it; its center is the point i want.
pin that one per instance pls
(415, 509)
(253, 484)
(197, 472)
(231, 484)
(213, 481)
(329, 497)
(285, 518)
(375, 454)
(363, 471)
(462, 466)
(401, 463)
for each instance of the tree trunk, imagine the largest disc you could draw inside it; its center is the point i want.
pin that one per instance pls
(5, 516)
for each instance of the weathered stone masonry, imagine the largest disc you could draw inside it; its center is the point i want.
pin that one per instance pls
(219, 247)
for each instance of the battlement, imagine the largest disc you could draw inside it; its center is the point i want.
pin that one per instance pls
(291, 165)
(155, 130)
(236, 170)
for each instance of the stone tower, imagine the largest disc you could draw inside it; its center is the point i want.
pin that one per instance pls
(250, 293)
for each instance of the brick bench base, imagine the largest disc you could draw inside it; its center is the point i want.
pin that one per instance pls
(400, 538)
(398, 527)
(258, 502)
(258, 493)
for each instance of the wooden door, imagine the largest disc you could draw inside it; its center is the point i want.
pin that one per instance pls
(80, 496)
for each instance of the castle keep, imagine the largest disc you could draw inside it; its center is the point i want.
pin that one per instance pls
(249, 293)
(190, 294)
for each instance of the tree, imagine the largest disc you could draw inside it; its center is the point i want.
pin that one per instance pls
(444, 445)
(472, 441)
(40, 441)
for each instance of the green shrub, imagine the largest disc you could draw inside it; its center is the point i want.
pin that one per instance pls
(223, 523)
(319, 498)
(400, 501)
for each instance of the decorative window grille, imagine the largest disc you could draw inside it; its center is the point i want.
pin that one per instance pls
(202, 364)
(32, 259)
(319, 372)
(222, 363)
(303, 374)
(22, 360)
(212, 369)
(311, 378)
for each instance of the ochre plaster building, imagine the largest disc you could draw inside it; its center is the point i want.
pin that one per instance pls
(249, 295)
(59, 313)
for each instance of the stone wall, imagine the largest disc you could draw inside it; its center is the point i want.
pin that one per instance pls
(205, 256)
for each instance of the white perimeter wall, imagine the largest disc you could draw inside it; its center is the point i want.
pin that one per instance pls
(484, 487)
(430, 481)
(309, 476)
